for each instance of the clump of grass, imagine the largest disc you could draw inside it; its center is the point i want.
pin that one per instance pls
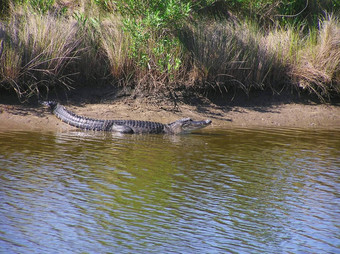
(318, 68)
(240, 54)
(37, 51)
(228, 55)
(284, 43)
(91, 63)
(115, 47)
(10, 59)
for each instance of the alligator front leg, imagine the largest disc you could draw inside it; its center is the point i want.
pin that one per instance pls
(121, 129)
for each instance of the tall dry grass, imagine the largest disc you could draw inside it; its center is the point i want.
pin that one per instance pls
(239, 54)
(37, 51)
(318, 67)
(115, 46)
(231, 55)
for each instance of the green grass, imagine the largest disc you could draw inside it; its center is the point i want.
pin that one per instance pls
(44, 45)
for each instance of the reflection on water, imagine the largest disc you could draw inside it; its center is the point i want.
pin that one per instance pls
(215, 192)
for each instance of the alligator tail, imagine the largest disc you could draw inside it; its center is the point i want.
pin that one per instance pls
(51, 104)
(78, 121)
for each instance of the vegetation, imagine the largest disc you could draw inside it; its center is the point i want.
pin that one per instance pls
(171, 46)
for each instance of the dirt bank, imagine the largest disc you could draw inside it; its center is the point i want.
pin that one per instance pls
(224, 115)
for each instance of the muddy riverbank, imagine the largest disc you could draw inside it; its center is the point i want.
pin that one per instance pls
(266, 112)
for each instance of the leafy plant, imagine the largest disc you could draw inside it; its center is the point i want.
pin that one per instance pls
(42, 6)
(151, 26)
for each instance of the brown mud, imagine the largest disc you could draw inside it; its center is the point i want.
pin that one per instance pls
(255, 111)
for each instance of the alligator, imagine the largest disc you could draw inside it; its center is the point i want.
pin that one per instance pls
(184, 125)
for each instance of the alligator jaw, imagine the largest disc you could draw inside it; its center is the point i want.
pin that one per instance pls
(186, 125)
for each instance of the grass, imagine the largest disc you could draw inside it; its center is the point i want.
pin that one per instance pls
(39, 51)
(318, 68)
(115, 47)
(234, 55)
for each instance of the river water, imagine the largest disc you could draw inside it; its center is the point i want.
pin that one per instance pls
(217, 191)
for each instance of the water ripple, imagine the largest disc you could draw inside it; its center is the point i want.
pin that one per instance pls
(258, 191)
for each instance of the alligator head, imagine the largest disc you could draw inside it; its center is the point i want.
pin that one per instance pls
(186, 125)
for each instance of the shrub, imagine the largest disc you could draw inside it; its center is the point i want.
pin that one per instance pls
(151, 26)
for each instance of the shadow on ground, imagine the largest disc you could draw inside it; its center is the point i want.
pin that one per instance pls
(210, 104)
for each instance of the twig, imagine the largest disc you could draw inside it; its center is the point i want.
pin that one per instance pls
(295, 15)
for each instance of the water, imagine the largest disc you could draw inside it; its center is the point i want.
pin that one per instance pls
(219, 191)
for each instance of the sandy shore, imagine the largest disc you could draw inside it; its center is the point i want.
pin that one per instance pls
(281, 115)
